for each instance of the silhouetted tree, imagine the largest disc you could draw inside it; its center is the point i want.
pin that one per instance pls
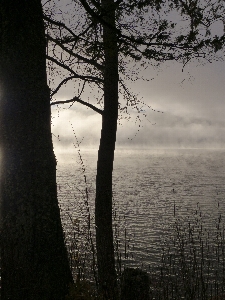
(103, 200)
(34, 263)
(114, 34)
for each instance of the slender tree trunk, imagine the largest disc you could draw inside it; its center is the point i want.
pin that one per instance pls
(34, 263)
(103, 209)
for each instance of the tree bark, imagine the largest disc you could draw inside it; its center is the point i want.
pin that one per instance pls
(34, 262)
(103, 204)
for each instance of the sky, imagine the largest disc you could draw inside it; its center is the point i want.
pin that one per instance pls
(191, 109)
(183, 107)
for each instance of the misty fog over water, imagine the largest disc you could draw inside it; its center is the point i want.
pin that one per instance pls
(152, 188)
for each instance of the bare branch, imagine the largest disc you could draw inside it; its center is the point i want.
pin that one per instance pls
(60, 24)
(76, 99)
(88, 78)
(62, 83)
(162, 44)
(84, 59)
(74, 37)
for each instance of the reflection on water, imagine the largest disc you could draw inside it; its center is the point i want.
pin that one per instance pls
(150, 186)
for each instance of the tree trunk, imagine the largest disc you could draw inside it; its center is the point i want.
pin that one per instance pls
(103, 205)
(34, 261)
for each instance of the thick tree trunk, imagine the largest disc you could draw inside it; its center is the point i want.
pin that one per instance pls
(103, 209)
(34, 263)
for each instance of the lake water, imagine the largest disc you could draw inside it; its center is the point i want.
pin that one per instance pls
(152, 188)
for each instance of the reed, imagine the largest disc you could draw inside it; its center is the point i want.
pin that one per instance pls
(193, 257)
(193, 261)
(192, 264)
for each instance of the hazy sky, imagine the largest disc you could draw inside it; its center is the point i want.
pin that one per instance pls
(192, 102)
(191, 99)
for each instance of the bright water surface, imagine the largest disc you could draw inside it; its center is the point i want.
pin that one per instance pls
(150, 187)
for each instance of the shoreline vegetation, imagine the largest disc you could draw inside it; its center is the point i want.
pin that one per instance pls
(192, 263)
